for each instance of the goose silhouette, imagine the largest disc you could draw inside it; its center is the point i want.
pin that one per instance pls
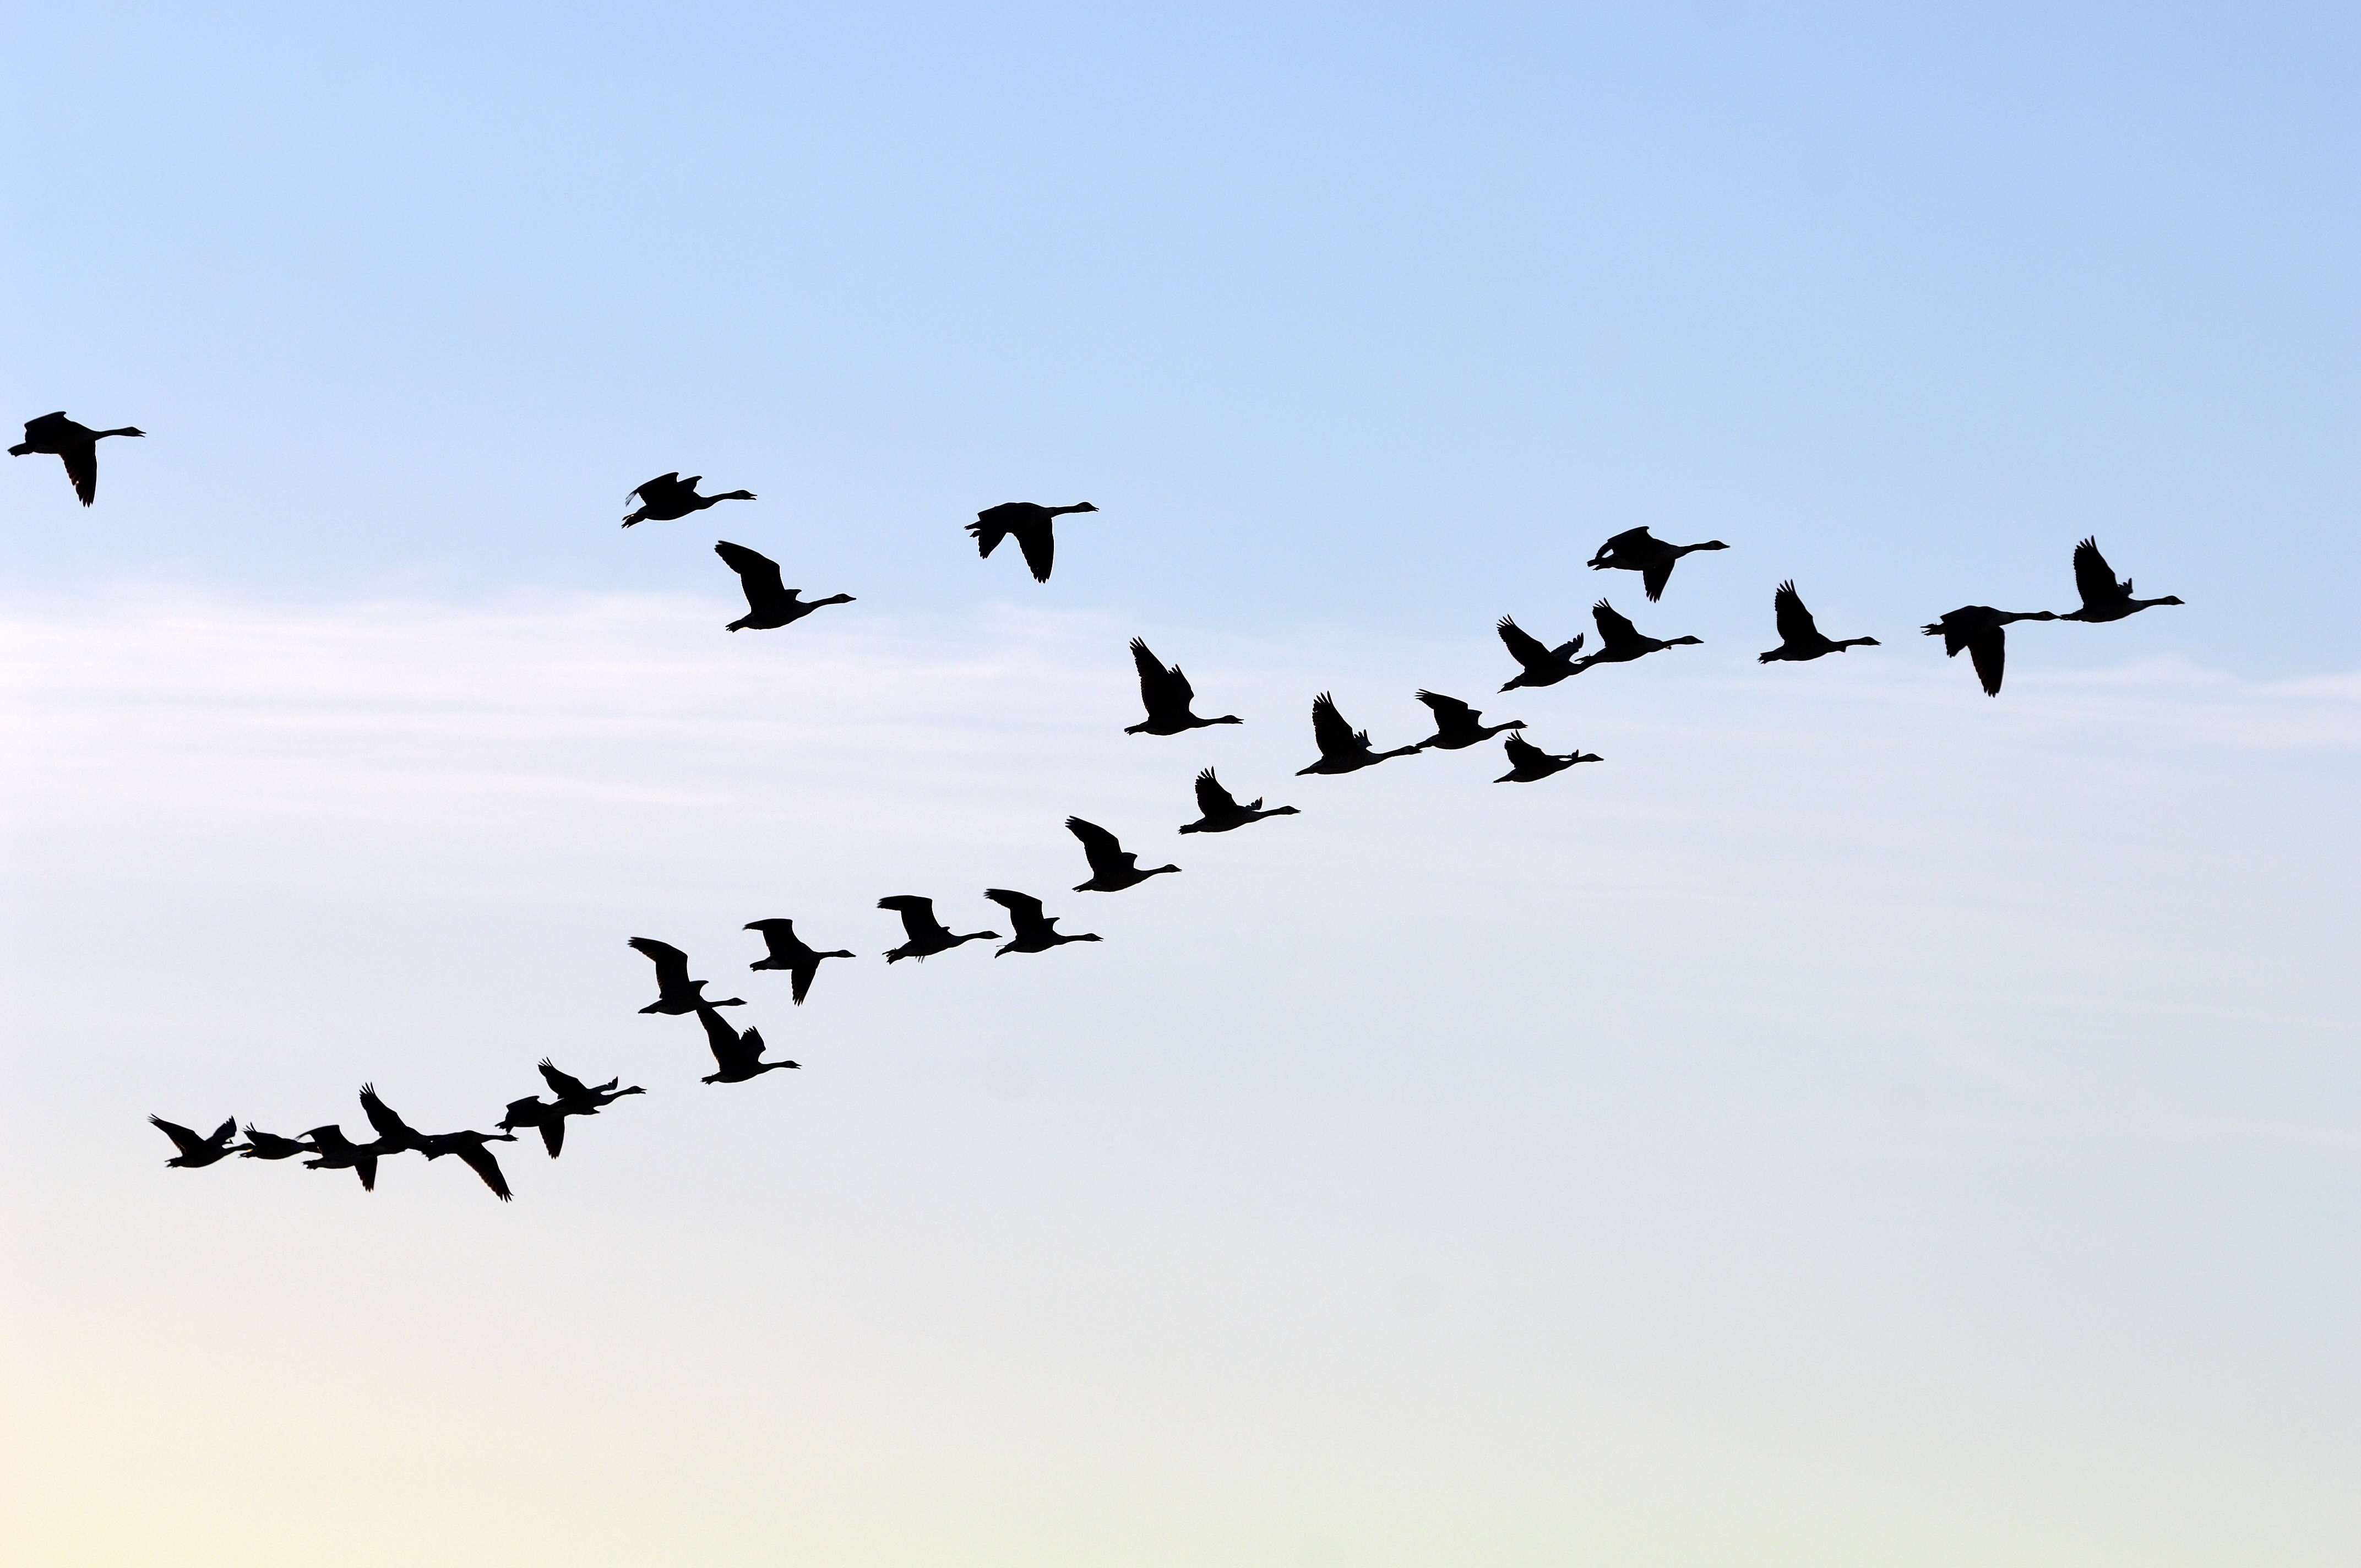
(1032, 526)
(1528, 763)
(1218, 810)
(1343, 749)
(736, 1057)
(197, 1151)
(1165, 694)
(1619, 641)
(1113, 867)
(1459, 726)
(469, 1145)
(2104, 599)
(1637, 549)
(1036, 932)
(1543, 666)
(675, 992)
(1799, 637)
(668, 496)
(337, 1152)
(769, 604)
(1980, 629)
(788, 952)
(927, 934)
(76, 444)
(270, 1146)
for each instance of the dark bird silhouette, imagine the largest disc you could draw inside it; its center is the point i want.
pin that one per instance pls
(1978, 628)
(2104, 599)
(1799, 638)
(337, 1152)
(1036, 932)
(196, 1150)
(1167, 695)
(579, 1099)
(788, 952)
(270, 1146)
(76, 444)
(1543, 666)
(1637, 549)
(1218, 810)
(532, 1110)
(675, 992)
(668, 496)
(1459, 726)
(736, 1057)
(1619, 641)
(394, 1135)
(470, 1147)
(927, 934)
(1030, 523)
(768, 603)
(1528, 763)
(1113, 867)
(1343, 749)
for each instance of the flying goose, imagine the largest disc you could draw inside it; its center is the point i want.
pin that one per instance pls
(736, 1057)
(393, 1134)
(2104, 599)
(1218, 810)
(768, 603)
(76, 444)
(1978, 627)
(196, 1150)
(668, 496)
(1457, 726)
(1619, 641)
(338, 1153)
(1637, 549)
(1113, 867)
(469, 1145)
(1528, 763)
(927, 934)
(675, 992)
(1036, 932)
(1799, 638)
(1030, 523)
(788, 952)
(1343, 749)
(1165, 694)
(270, 1146)
(1543, 666)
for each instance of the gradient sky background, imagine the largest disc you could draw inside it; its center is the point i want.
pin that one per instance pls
(1858, 1122)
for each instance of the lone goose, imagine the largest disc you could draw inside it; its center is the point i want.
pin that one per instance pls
(1528, 763)
(1543, 666)
(1030, 523)
(768, 603)
(1978, 628)
(1619, 641)
(1036, 932)
(1165, 694)
(2104, 599)
(337, 1152)
(1637, 549)
(196, 1151)
(927, 934)
(1457, 726)
(788, 952)
(1218, 810)
(736, 1057)
(270, 1146)
(1113, 867)
(668, 496)
(675, 992)
(76, 444)
(1799, 638)
(1343, 749)
(470, 1147)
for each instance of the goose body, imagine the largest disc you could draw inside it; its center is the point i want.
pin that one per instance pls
(1167, 695)
(2104, 599)
(769, 603)
(337, 1152)
(1979, 628)
(1343, 749)
(928, 936)
(76, 444)
(197, 1151)
(1032, 526)
(1036, 932)
(270, 1146)
(1218, 810)
(1799, 636)
(1619, 641)
(469, 1145)
(1113, 867)
(1637, 549)
(675, 992)
(1543, 666)
(736, 1057)
(1459, 726)
(1528, 763)
(788, 951)
(668, 496)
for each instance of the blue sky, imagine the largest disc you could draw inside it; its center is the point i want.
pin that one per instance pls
(1859, 1122)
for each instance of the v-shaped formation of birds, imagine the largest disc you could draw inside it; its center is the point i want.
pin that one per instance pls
(1978, 629)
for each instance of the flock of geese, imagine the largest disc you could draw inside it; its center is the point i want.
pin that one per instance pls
(1169, 701)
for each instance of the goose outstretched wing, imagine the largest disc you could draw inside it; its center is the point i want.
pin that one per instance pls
(564, 1085)
(1989, 649)
(1101, 848)
(1449, 711)
(656, 490)
(1038, 540)
(1614, 632)
(1335, 738)
(1655, 575)
(1212, 800)
(1523, 646)
(757, 573)
(918, 916)
(2096, 578)
(389, 1123)
(672, 964)
(1024, 909)
(1162, 687)
(1795, 624)
(1523, 753)
(479, 1161)
(1630, 538)
(187, 1138)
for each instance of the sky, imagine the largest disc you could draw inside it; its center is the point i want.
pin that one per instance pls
(1857, 1122)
